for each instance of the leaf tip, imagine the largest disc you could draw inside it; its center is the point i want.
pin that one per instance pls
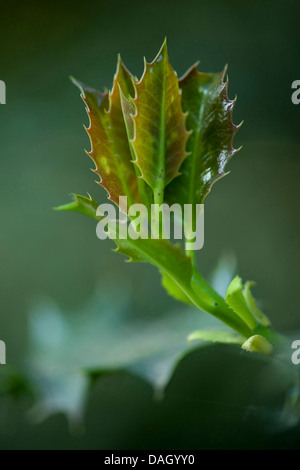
(77, 83)
(224, 72)
(74, 80)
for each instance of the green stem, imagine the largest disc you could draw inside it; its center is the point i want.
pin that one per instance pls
(191, 254)
(218, 307)
(158, 201)
(207, 299)
(210, 301)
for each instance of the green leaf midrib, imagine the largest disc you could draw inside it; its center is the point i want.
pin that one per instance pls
(142, 185)
(159, 192)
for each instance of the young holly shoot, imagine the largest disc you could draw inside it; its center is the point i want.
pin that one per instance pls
(163, 140)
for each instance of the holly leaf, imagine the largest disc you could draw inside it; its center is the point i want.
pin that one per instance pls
(261, 317)
(236, 300)
(160, 135)
(110, 149)
(204, 98)
(82, 205)
(240, 299)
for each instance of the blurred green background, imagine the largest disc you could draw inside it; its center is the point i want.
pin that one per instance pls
(253, 213)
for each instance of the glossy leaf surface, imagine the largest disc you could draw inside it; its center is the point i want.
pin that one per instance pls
(109, 142)
(159, 137)
(204, 98)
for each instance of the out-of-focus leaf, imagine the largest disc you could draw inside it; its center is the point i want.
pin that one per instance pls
(236, 300)
(110, 148)
(160, 135)
(82, 204)
(100, 337)
(223, 273)
(204, 98)
(69, 349)
(259, 344)
(15, 383)
(224, 337)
